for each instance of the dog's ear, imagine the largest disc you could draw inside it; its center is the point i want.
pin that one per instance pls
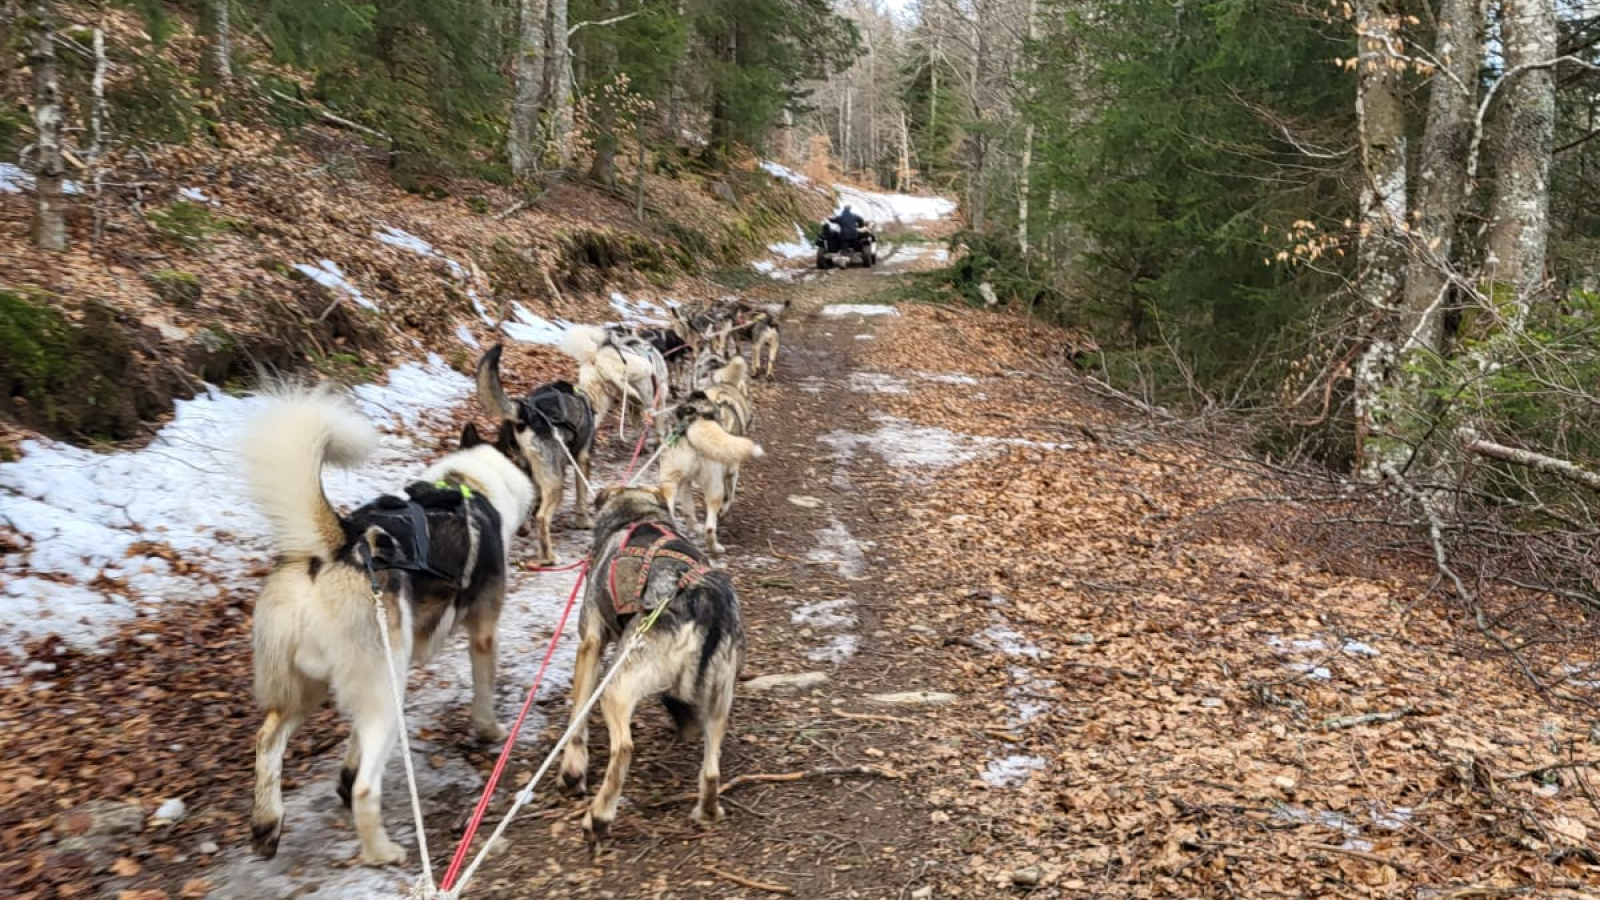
(660, 495)
(470, 437)
(605, 494)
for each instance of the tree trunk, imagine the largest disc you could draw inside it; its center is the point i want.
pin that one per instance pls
(97, 127)
(1520, 209)
(675, 89)
(980, 71)
(558, 75)
(521, 147)
(216, 25)
(606, 103)
(1442, 181)
(49, 224)
(904, 181)
(1380, 117)
(1025, 173)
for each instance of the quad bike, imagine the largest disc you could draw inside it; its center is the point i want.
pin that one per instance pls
(833, 251)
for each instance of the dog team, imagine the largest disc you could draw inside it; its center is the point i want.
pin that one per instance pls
(438, 559)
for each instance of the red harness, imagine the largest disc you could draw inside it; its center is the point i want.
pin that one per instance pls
(647, 554)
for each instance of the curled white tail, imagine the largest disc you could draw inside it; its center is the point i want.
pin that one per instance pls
(284, 449)
(581, 342)
(711, 441)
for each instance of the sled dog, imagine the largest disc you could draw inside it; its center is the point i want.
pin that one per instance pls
(548, 430)
(691, 656)
(437, 561)
(615, 366)
(707, 445)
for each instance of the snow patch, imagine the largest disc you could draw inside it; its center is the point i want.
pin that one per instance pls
(907, 445)
(532, 329)
(800, 248)
(838, 310)
(87, 517)
(638, 312)
(465, 336)
(904, 208)
(1012, 770)
(877, 383)
(825, 614)
(13, 180)
(195, 195)
(840, 549)
(838, 649)
(327, 274)
(947, 378)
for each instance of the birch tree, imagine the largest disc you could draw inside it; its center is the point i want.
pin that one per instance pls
(1442, 183)
(49, 224)
(1519, 211)
(216, 25)
(1381, 127)
(521, 149)
(558, 80)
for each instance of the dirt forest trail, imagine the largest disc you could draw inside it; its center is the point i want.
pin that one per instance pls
(1047, 647)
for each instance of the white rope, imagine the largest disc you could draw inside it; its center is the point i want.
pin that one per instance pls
(580, 719)
(646, 467)
(424, 883)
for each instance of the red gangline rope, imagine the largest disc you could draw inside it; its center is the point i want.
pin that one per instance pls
(511, 740)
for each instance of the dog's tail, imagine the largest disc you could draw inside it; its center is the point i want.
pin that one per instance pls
(285, 448)
(734, 373)
(713, 442)
(582, 342)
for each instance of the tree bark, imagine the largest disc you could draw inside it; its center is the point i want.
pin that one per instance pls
(216, 23)
(97, 127)
(1442, 180)
(558, 75)
(1024, 173)
(1519, 211)
(521, 147)
(604, 167)
(49, 224)
(1380, 117)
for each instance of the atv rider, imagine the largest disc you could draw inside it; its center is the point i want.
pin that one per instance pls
(847, 230)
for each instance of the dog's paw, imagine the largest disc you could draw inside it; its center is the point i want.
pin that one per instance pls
(574, 783)
(701, 816)
(543, 562)
(595, 831)
(492, 732)
(264, 837)
(383, 852)
(347, 781)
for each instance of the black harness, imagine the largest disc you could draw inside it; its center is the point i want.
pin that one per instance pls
(404, 529)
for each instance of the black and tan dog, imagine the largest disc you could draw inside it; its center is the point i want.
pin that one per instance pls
(690, 656)
(549, 427)
(436, 561)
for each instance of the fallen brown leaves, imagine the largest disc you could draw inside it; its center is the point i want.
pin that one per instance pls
(1224, 716)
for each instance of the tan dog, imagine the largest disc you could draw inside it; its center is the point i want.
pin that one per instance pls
(708, 445)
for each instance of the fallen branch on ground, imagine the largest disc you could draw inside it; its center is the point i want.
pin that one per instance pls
(764, 778)
(1548, 464)
(332, 119)
(1366, 719)
(746, 882)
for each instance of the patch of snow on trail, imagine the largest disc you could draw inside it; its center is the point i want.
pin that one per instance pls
(81, 513)
(465, 336)
(838, 548)
(800, 248)
(838, 310)
(1012, 770)
(877, 383)
(906, 445)
(326, 273)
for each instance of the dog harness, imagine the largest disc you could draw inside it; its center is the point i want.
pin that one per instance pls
(642, 558)
(404, 530)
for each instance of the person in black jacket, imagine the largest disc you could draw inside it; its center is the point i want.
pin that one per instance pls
(849, 231)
